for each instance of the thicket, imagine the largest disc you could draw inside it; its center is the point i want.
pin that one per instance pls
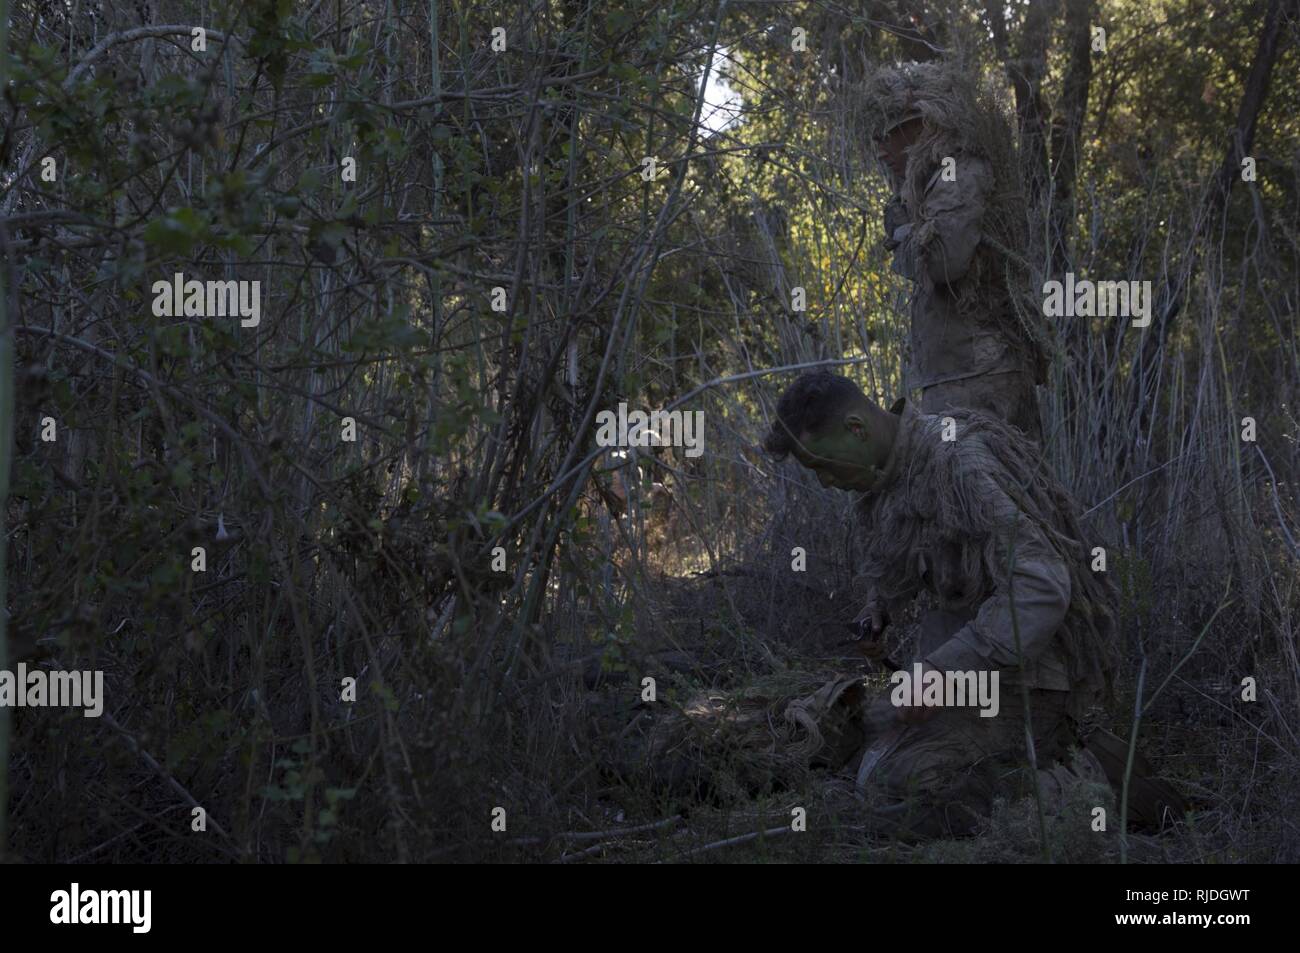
(514, 176)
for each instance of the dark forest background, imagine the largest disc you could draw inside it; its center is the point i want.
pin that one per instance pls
(521, 169)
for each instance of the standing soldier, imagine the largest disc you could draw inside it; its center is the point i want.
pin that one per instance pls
(956, 227)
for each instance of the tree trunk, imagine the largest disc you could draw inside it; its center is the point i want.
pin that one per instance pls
(1025, 69)
(1067, 124)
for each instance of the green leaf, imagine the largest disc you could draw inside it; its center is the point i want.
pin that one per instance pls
(182, 478)
(176, 232)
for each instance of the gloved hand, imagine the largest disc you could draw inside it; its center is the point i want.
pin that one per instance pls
(896, 223)
(870, 625)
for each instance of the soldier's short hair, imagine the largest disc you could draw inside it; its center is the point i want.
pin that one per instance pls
(806, 407)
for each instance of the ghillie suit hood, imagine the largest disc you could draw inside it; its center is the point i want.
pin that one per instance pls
(928, 500)
(964, 117)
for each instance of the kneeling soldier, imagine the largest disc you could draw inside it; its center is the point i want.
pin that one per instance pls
(962, 508)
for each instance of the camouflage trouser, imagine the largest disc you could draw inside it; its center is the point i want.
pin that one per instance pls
(1008, 396)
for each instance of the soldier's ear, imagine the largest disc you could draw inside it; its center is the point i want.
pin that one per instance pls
(856, 424)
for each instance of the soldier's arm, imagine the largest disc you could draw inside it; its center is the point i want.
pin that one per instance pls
(898, 233)
(947, 230)
(865, 583)
(1039, 581)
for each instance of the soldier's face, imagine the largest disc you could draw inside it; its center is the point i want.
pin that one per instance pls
(843, 457)
(892, 150)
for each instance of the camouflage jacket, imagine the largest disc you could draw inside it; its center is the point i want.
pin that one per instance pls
(952, 519)
(962, 321)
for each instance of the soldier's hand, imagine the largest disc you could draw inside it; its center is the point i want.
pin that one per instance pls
(895, 218)
(872, 619)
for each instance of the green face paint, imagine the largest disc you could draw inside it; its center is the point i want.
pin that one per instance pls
(841, 459)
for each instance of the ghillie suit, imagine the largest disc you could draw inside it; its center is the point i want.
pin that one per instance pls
(959, 230)
(978, 524)
(940, 519)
